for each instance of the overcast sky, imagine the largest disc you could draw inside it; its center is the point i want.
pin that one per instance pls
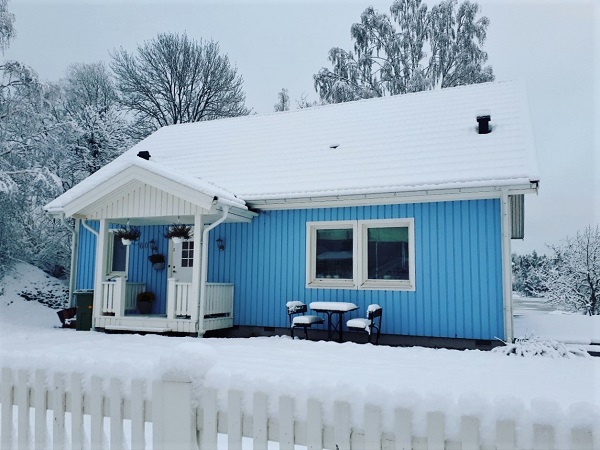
(276, 44)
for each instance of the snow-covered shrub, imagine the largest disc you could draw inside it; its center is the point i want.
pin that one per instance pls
(531, 345)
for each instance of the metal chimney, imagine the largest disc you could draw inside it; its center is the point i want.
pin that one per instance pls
(484, 124)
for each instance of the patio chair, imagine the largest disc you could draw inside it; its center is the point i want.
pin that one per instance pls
(301, 320)
(369, 324)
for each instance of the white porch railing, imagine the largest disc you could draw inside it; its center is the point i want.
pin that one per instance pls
(179, 299)
(79, 408)
(119, 296)
(219, 300)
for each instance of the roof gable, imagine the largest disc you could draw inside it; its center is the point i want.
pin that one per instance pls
(110, 186)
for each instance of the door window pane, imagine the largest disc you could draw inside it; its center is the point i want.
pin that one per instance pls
(334, 253)
(187, 254)
(119, 255)
(387, 257)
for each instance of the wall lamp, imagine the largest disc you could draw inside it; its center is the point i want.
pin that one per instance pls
(220, 244)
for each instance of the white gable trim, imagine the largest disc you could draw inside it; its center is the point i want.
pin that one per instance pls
(136, 173)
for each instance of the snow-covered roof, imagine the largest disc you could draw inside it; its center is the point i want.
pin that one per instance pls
(405, 143)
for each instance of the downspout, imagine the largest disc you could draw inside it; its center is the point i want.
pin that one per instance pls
(204, 269)
(90, 229)
(506, 268)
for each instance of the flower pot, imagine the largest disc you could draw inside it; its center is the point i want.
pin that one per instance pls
(177, 239)
(144, 302)
(158, 266)
(126, 241)
(144, 306)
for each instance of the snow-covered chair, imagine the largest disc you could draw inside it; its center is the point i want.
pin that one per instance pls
(369, 324)
(301, 320)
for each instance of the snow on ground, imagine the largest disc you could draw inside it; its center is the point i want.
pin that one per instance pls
(561, 392)
(533, 315)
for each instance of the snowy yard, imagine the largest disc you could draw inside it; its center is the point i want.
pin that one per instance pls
(560, 392)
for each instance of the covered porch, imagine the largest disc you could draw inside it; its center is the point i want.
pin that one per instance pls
(151, 199)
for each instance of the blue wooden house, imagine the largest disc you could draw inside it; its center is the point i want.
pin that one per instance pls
(409, 202)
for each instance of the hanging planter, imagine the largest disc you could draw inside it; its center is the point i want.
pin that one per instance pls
(157, 260)
(178, 233)
(128, 234)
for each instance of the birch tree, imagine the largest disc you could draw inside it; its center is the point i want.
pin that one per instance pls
(572, 277)
(411, 49)
(283, 101)
(100, 130)
(7, 30)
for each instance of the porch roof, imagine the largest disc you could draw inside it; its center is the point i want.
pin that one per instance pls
(115, 175)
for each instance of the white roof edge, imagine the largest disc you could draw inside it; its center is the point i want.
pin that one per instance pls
(394, 191)
(126, 161)
(532, 154)
(417, 196)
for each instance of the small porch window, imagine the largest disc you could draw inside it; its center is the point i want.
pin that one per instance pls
(118, 257)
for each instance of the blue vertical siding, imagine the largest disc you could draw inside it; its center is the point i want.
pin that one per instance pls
(140, 269)
(458, 268)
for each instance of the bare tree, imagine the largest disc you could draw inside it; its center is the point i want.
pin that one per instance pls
(572, 277)
(173, 79)
(410, 50)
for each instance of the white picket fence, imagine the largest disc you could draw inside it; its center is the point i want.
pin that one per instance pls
(79, 407)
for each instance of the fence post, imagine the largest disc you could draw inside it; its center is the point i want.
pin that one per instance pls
(40, 404)
(506, 436)
(7, 399)
(436, 430)
(22, 400)
(172, 414)
(59, 406)
(581, 438)
(343, 428)
(260, 420)
(403, 428)
(234, 420)
(469, 432)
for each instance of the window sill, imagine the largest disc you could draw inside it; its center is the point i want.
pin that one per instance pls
(333, 283)
(387, 285)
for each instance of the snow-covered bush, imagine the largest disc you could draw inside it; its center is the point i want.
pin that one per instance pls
(531, 345)
(571, 278)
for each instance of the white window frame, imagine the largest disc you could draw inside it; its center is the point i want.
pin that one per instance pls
(109, 260)
(360, 244)
(311, 255)
(398, 285)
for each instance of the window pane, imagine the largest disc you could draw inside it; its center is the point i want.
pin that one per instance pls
(119, 255)
(334, 253)
(388, 253)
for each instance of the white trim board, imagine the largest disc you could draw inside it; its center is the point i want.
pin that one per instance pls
(391, 198)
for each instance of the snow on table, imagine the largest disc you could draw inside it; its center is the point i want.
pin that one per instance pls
(333, 306)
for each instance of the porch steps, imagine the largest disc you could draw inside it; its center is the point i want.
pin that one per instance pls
(141, 329)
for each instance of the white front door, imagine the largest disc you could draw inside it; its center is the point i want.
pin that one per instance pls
(182, 261)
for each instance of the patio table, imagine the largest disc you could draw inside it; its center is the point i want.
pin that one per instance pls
(330, 308)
